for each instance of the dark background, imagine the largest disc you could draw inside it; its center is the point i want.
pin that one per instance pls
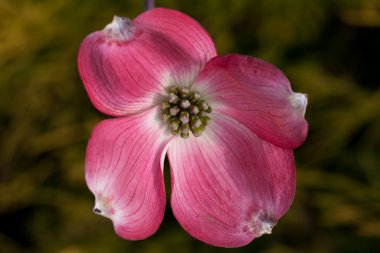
(329, 49)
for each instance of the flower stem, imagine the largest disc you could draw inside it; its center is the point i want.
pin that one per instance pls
(149, 4)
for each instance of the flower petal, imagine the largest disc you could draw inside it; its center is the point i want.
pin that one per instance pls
(229, 186)
(126, 65)
(124, 173)
(257, 94)
(181, 30)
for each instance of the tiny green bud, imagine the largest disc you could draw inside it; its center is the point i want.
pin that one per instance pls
(198, 131)
(185, 135)
(166, 117)
(174, 89)
(184, 117)
(194, 109)
(202, 114)
(174, 132)
(174, 124)
(195, 122)
(173, 98)
(184, 104)
(174, 110)
(185, 128)
(165, 105)
(202, 105)
(205, 120)
(184, 91)
(184, 111)
(195, 96)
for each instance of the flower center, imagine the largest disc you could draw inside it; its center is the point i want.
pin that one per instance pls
(185, 112)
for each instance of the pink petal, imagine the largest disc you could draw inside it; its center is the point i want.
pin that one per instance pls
(228, 185)
(124, 172)
(181, 30)
(125, 66)
(257, 94)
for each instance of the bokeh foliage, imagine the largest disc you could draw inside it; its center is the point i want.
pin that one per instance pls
(329, 49)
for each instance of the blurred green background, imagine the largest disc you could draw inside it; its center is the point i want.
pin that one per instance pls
(329, 49)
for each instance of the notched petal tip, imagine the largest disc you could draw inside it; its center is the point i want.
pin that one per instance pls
(259, 224)
(120, 29)
(103, 207)
(299, 101)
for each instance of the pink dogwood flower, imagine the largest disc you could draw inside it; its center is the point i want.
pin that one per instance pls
(228, 125)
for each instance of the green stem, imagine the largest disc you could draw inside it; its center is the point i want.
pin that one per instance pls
(149, 4)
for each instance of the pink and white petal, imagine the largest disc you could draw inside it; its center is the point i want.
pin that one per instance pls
(229, 186)
(181, 30)
(258, 95)
(125, 66)
(124, 172)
